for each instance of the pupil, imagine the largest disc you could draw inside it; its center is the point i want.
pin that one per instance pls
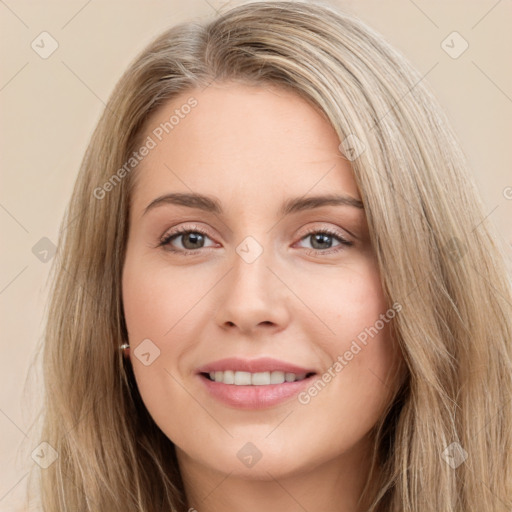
(322, 238)
(195, 237)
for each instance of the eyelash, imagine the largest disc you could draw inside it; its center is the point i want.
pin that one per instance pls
(166, 239)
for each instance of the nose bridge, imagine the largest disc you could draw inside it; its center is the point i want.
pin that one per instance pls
(250, 274)
(251, 294)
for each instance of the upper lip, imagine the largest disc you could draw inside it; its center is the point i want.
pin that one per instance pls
(264, 364)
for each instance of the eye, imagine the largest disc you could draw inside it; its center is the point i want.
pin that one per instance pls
(322, 239)
(192, 239)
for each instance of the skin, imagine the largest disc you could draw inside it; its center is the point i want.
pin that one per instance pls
(252, 148)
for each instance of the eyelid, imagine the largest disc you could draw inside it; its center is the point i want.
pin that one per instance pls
(329, 230)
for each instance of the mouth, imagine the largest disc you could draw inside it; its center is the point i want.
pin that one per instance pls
(243, 378)
(254, 391)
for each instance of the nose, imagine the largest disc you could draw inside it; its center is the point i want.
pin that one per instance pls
(252, 297)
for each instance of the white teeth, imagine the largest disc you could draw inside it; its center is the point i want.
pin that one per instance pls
(241, 378)
(276, 377)
(255, 379)
(260, 379)
(228, 377)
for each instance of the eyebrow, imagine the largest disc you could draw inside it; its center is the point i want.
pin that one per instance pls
(293, 205)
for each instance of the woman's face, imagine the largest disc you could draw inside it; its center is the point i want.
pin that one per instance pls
(242, 281)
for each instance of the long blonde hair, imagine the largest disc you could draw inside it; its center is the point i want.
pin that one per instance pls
(437, 256)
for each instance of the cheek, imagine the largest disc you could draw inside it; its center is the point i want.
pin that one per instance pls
(167, 306)
(157, 307)
(360, 371)
(155, 301)
(350, 301)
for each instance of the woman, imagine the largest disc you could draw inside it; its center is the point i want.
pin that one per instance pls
(200, 356)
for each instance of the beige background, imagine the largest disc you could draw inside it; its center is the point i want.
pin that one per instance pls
(50, 106)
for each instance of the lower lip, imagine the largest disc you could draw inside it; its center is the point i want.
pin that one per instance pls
(254, 397)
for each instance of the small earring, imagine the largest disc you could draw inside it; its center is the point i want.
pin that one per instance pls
(126, 349)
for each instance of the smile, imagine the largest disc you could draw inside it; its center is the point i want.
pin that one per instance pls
(254, 391)
(241, 378)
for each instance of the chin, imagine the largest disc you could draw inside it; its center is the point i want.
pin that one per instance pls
(270, 466)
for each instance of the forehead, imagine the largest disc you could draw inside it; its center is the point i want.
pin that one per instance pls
(241, 139)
